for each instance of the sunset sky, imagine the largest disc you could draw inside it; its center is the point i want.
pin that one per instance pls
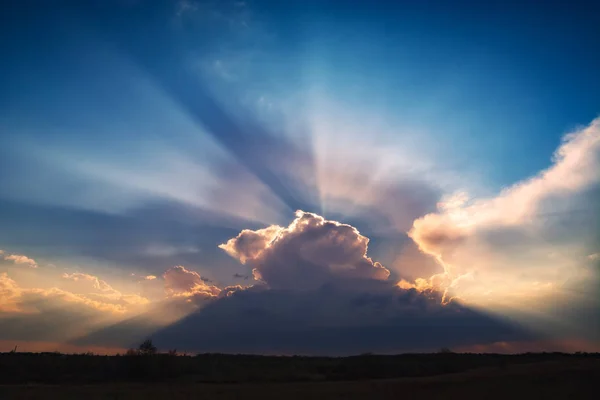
(300, 177)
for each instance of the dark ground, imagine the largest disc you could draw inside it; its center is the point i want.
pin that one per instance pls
(541, 376)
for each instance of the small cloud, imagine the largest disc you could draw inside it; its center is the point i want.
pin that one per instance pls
(150, 277)
(594, 257)
(230, 290)
(222, 70)
(96, 283)
(181, 282)
(21, 259)
(185, 6)
(169, 251)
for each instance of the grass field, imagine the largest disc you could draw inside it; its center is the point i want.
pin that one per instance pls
(571, 379)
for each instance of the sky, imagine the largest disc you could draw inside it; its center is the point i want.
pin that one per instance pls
(300, 177)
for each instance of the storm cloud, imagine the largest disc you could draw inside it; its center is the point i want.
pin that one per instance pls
(319, 293)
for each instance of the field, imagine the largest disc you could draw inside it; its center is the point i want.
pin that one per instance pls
(548, 376)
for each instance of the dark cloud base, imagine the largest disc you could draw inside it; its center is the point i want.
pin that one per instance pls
(327, 321)
(260, 331)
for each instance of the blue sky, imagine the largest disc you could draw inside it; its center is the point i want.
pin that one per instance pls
(136, 136)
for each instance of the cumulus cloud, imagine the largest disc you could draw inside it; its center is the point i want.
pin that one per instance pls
(320, 294)
(308, 253)
(250, 244)
(532, 235)
(576, 166)
(346, 303)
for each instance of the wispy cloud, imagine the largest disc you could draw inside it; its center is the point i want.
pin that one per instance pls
(186, 6)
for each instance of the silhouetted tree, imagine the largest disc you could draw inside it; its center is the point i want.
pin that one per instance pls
(147, 348)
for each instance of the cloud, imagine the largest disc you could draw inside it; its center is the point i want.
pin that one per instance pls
(338, 318)
(308, 253)
(530, 239)
(20, 259)
(95, 282)
(230, 290)
(250, 244)
(50, 314)
(41, 296)
(185, 6)
(44, 304)
(576, 166)
(180, 282)
(594, 257)
(177, 293)
(53, 314)
(92, 287)
(16, 298)
(320, 294)
(9, 293)
(169, 251)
